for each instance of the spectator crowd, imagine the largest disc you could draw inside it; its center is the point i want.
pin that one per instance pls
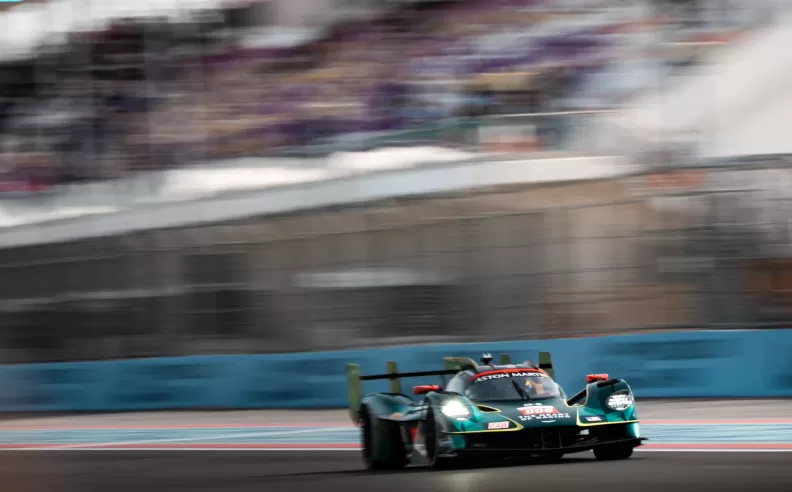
(153, 93)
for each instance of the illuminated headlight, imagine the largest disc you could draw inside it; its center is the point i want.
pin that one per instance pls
(456, 410)
(620, 401)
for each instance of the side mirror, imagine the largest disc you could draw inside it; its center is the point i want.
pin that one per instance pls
(426, 388)
(596, 377)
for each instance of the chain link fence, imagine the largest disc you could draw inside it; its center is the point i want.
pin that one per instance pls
(682, 249)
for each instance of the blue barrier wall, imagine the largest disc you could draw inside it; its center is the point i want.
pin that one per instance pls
(690, 364)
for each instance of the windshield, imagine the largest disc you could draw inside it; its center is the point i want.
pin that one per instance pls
(513, 386)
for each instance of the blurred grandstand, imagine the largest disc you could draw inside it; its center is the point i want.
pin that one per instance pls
(126, 93)
(112, 96)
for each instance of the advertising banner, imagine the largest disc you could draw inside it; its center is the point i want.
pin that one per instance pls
(714, 364)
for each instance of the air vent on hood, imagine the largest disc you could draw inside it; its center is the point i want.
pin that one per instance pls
(486, 409)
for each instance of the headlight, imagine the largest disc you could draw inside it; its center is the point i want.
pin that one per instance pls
(456, 410)
(620, 401)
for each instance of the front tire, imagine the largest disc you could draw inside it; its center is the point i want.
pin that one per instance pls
(376, 434)
(432, 439)
(613, 452)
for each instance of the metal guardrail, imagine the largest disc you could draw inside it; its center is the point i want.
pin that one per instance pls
(551, 130)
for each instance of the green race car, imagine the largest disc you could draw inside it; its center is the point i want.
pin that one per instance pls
(484, 411)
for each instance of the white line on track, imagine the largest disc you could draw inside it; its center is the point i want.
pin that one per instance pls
(713, 450)
(100, 446)
(135, 449)
(170, 450)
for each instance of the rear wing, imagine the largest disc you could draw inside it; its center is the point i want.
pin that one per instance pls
(464, 363)
(459, 363)
(355, 382)
(546, 364)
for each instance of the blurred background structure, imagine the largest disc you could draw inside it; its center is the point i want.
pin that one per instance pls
(111, 107)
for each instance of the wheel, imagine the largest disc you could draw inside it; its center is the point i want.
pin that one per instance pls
(613, 452)
(376, 434)
(432, 443)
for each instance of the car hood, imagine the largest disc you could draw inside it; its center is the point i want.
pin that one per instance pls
(493, 416)
(543, 413)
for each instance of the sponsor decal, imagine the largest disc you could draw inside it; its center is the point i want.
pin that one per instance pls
(545, 417)
(541, 409)
(397, 415)
(593, 419)
(541, 412)
(498, 425)
(502, 375)
(619, 401)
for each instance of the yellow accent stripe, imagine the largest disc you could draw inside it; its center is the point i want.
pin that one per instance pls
(608, 423)
(581, 424)
(585, 400)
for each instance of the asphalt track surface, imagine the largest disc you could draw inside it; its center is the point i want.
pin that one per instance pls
(648, 410)
(124, 471)
(273, 470)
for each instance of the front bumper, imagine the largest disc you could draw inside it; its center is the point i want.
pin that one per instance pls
(541, 441)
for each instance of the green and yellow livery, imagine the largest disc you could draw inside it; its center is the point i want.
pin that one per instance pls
(484, 410)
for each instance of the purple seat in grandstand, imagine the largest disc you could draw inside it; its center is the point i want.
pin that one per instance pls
(232, 83)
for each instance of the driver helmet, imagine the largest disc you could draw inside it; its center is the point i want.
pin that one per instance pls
(534, 388)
